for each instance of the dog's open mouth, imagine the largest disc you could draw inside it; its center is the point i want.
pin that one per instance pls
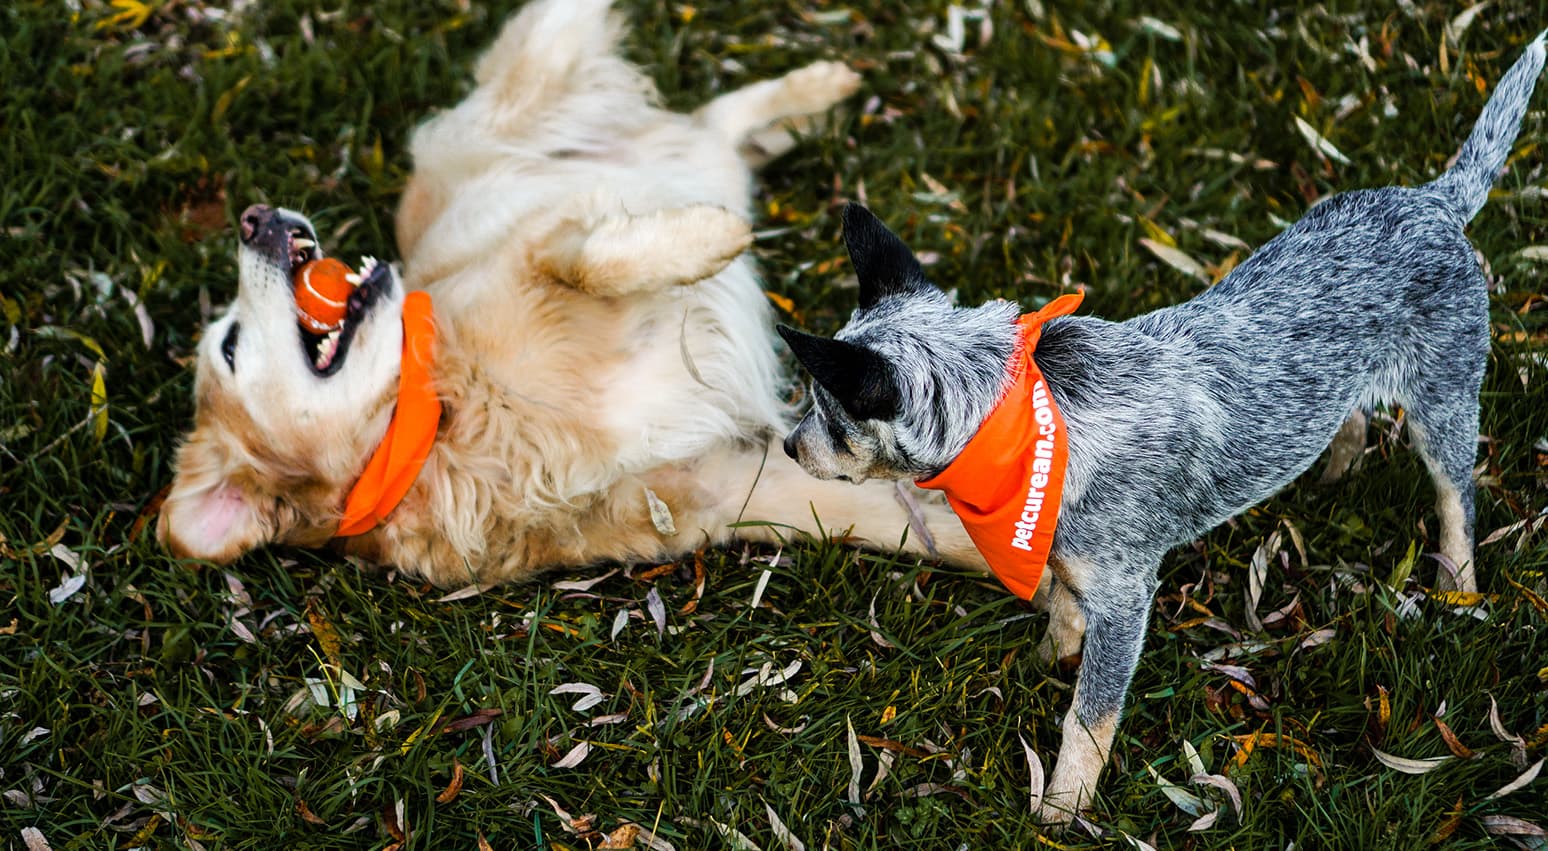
(325, 352)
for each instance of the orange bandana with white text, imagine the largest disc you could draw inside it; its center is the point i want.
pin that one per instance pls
(403, 450)
(1006, 484)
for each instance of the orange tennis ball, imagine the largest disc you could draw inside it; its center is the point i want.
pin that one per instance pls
(322, 291)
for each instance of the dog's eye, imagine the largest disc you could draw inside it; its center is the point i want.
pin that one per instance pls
(228, 346)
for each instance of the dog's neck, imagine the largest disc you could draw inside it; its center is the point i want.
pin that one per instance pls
(950, 365)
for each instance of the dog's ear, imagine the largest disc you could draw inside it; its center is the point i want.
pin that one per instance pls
(207, 514)
(882, 262)
(858, 378)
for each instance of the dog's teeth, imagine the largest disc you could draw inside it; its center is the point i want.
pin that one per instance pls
(353, 279)
(303, 243)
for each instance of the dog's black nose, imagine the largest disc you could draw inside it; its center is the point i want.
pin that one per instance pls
(790, 447)
(253, 218)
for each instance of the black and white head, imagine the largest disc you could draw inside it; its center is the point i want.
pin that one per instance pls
(900, 390)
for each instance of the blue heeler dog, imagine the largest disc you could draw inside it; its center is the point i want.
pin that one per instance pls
(1182, 418)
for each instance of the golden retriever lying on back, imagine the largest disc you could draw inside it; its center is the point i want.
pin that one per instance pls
(598, 333)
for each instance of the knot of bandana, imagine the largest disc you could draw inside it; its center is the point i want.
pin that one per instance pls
(1006, 484)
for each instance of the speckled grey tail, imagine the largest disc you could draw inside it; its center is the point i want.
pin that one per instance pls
(1466, 184)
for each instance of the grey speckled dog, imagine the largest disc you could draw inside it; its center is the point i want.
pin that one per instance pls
(1181, 418)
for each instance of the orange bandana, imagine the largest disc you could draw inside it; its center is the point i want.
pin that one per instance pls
(403, 450)
(1006, 484)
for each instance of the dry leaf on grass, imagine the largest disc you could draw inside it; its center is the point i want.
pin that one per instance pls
(1177, 259)
(34, 839)
(454, 788)
(1320, 144)
(782, 833)
(1409, 766)
(1035, 766)
(1519, 783)
(575, 756)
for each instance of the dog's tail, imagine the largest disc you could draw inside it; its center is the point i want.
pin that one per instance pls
(546, 44)
(1466, 184)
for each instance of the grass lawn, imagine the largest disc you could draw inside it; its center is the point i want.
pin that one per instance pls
(812, 694)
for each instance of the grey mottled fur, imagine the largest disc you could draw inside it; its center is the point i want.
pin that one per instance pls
(1183, 417)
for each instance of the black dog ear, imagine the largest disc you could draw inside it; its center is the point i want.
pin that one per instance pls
(858, 378)
(882, 262)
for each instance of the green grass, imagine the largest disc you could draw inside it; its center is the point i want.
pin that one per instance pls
(127, 150)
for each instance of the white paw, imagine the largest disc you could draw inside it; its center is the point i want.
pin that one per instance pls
(825, 82)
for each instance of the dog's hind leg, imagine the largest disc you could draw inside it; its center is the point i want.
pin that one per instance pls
(1443, 419)
(1447, 439)
(1116, 604)
(618, 254)
(1347, 447)
(788, 499)
(762, 119)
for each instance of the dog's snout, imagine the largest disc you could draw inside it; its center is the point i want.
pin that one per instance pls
(790, 446)
(254, 218)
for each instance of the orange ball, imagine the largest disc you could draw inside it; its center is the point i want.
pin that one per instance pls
(322, 291)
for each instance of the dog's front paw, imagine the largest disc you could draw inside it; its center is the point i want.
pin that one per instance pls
(824, 83)
(721, 234)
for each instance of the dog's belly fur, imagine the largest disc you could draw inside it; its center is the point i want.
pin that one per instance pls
(1184, 417)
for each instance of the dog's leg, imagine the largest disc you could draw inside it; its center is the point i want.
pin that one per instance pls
(1346, 448)
(1444, 425)
(1448, 450)
(789, 499)
(1116, 604)
(1066, 625)
(619, 254)
(763, 118)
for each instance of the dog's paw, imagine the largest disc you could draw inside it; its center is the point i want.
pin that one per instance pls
(824, 83)
(720, 234)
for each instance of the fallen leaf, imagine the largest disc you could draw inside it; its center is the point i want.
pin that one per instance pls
(894, 746)
(584, 584)
(1184, 800)
(1409, 766)
(575, 756)
(1318, 142)
(1519, 783)
(306, 814)
(1317, 639)
(327, 637)
(623, 836)
(782, 833)
(657, 610)
(34, 839)
(763, 583)
(1461, 22)
(1035, 766)
(855, 765)
(591, 695)
(1452, 742)
(1511, 826)
(1177, 259)
(454, 788)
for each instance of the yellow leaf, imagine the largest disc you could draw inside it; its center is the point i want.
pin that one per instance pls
(99, 400)
(327, 637)
(781, 302)
(1157, 233)
(888, 714)
(132, 15)
(223, 103)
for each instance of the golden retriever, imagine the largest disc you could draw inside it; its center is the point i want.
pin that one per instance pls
(603, 347)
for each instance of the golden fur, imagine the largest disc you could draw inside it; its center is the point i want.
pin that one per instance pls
(600, 332)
